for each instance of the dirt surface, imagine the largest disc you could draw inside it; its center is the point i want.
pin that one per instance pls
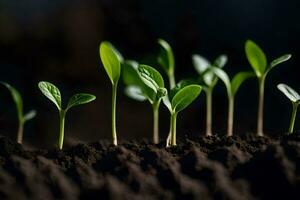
(198, 168)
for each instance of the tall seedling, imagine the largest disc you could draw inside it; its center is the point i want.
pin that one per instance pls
(111, 60)
(19, 106)
(232, 88)
(258, 62)
(54, 95)
(208, 81)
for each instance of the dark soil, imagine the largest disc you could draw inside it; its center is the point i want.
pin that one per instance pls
(200, 168)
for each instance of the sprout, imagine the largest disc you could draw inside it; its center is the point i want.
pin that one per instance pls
(111, 60)
(179, 98)
(166, 60)
(294, 97)
(53, 94)
(232, 88)
(258, 62)
(19, 106)
(209, 81)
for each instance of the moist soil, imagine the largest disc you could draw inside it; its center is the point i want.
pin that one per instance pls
(197, 168)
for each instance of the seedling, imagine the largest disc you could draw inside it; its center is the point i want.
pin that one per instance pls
(19, 106)
(258, 62)
(294, 97)
(111, 60)
(208, 81)
(178, 99)
(53, 94)
(166, 60)
(232, 88)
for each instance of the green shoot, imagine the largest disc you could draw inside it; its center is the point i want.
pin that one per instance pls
(179, 98)
(166, 60)
(258, 62)
(208, 81)
(111, 60)
(19, 106)
(232, 88)
(53, 94)
(294, 97)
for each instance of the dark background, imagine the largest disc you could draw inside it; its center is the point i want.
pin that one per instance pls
(58, 40)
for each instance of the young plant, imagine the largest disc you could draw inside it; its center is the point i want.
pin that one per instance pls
(145, 83)
(179, 98)
(258, 62)
(19, 106)
(294, 97)
(53, 94)
(208, 81)
(166, 60)
(111, 60)
(232, 88)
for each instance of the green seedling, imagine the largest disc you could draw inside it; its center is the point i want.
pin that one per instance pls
(19, 106)
(151, 88)
(208, 81)
(294, 97)
(258, 62)
(54, 95)
(166, 60)
(111, 60)
(232, 88)
(179, 98)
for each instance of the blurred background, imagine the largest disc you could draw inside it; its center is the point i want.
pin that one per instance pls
(58, 41)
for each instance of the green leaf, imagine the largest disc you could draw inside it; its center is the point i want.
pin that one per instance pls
(221, 61)
(135, 93)
(79, 99)
(17, 99)
(224, 77)
(256, 58)
(277, 61)
(238, 79)
(119, 55)
(111, 61)
(166, 57)
(289, 92)
(130, 73)
(185, 97)
(30, 115)
(151, 77)
(51, 92)
(181, 84)
(200, 63)
(166, 101)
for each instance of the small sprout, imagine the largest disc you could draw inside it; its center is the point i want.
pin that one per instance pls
(208, 81)
(181, 97)
(111, 60)
(294, 97)
(166, 60)
(19, 105)
(258, 62)
(232, 88)
(53, 94)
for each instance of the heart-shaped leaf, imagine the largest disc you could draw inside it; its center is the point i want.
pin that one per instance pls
(17, 99)
(111, 61)
(166, 57)
(256, 58)
(185, 97)
(238, 79)
(51, 92)
(289, 92)
(151, 77)
(79, 99)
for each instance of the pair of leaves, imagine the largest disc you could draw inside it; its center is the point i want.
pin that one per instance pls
(166, 57)
(258, 60)
(111, 59)
(233, 85)
(54, 95)
(289, 92)
(19, 104)
(183, 95)
(203, 67)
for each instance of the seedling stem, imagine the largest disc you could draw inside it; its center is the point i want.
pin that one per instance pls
(230, 116)
(294, 113)
(208, 112)
(113, 114)
(173, 128)
(155, 107)
(62, 115)
(260, 113)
